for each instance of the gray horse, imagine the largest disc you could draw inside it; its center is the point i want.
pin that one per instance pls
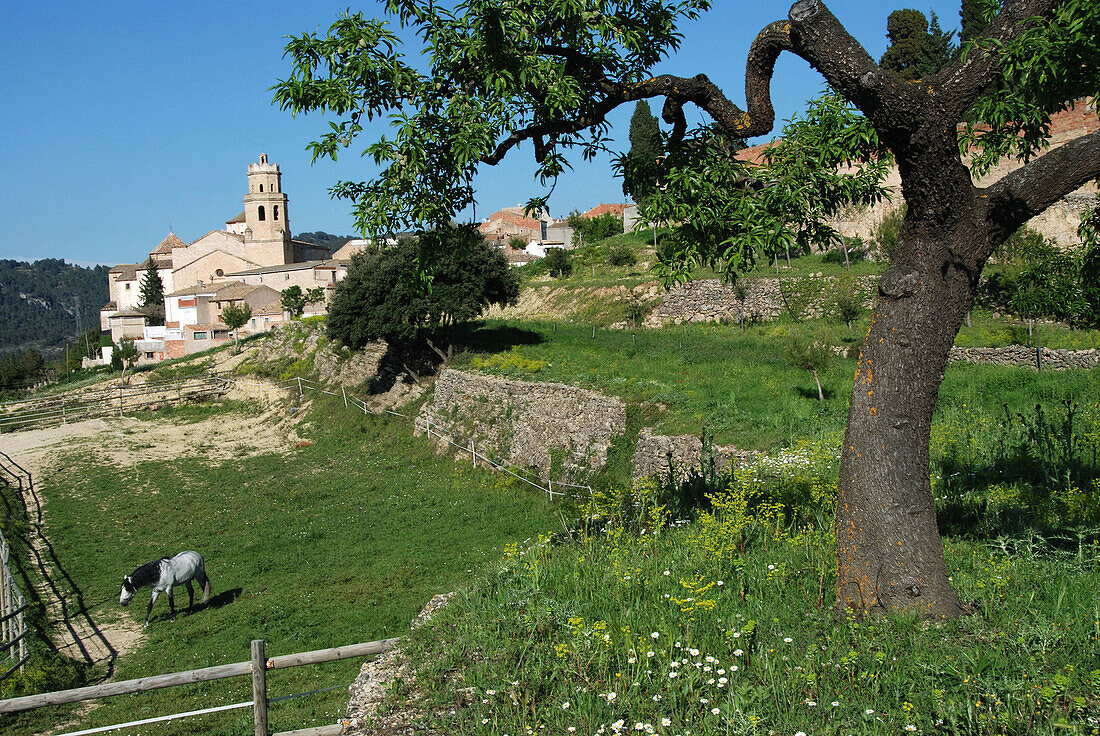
(163, 575)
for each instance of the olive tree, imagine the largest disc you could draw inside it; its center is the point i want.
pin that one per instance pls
(549, 72)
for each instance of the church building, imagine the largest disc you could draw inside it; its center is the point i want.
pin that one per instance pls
(195, 275)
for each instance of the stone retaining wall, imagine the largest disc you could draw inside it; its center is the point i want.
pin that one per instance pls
(654, 453)
(525, 422)
(710, 300)
(1020, 355)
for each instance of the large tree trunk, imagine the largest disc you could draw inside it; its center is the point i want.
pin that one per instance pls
(889, 550)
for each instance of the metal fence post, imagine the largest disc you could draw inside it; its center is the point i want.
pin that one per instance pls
(299, 386)
(345, 395)
(259, 687)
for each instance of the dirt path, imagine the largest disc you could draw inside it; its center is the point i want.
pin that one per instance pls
(93, 631)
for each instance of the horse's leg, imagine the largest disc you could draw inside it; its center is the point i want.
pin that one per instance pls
(149, 610)
(190, 596)
(172, 602)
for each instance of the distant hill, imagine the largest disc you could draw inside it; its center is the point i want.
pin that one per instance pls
(332, 242)
(38, 303)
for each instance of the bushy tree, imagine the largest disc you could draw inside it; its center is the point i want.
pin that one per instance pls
(236, 316)
(294, 301)
(558, 262)
(152, 297)
(548, 73)
(813, 355)
(418, 290)
(591, 230)
(641, 166)
(918, 49)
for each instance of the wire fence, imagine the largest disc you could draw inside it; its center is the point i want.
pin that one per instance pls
(13, 604)
(111, 401)
(549, 486)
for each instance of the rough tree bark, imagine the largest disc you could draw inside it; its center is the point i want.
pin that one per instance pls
(889, 551)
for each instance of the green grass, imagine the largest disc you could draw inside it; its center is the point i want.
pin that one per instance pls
(727, 626)
(987, 331)
(339, 542)
(737, 385)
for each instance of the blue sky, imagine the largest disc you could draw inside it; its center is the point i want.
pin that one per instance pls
(124, 119)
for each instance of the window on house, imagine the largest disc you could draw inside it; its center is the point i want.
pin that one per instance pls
(220, 272)
(127, 287)
(149, 356)
(266, 320)
(261, 187)
(200, 335)
(275, 212)
(253, 322)
(260, 213)
(286, 277)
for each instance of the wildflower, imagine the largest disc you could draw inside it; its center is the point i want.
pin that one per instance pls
(649, 653)
(654, 635)
(572, 729)
(609, 697)
(868, 712)
(719, 583)
(715, 711)
(811, 703)
(484, 721)
(565, 705)
(657, 698)
(738, 652)
(787, 639)
(490, 692)
(631, 660)
(704, 701)
(910, 727)
(666, 573)
(800, 733)
(836, 704)
(666, 721)
(771, 567)
(673, 674)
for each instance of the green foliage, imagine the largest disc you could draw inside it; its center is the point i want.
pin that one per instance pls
(332, 242)
(517, 243)
(641, 167)
(851, 251)
(236, 316)
(813, 355)
(19, 371)
(152, 295)
(126, 353)
(735, 212)
(1050, 287)
(849, 308)
(888, 230)
(383, 296)
(725, 626)
(621, 255)
(917, 49)
(48, 303)
(591, 230)
(558, 262)
(294, 301)
(974, 16)
(489, 69)
(1042, 73)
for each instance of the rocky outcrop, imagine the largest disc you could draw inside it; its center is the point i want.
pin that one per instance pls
(1020, 355)
(655, 454)
(548, 426)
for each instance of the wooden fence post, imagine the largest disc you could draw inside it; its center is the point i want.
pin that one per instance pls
(345, 395)
(120, 400)
(299, 387)
(259, 687)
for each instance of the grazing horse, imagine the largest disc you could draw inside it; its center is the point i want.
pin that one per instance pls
(162, 575)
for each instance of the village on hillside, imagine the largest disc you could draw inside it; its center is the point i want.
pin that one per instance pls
(254, 258)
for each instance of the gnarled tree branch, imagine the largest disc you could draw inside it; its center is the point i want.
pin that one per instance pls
(1026, 192)
(960, 84)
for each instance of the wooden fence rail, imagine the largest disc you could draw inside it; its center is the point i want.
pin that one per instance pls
(257, 667)
(13, 604)
(77, 405)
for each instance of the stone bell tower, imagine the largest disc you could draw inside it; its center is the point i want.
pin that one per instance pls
(267, 224)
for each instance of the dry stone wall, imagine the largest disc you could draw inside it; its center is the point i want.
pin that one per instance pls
(1020, 355)
(533, 425)
(655, 454)
(710, 300)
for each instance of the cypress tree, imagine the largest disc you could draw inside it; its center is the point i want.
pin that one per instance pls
(641, 170)
(973, 19)
(152, 296)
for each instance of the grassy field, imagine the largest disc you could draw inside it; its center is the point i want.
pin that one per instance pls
(737, 385)
(341, 541)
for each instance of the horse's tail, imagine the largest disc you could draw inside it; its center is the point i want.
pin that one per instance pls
(205, 587)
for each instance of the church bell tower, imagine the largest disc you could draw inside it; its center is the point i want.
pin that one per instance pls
(267, 224)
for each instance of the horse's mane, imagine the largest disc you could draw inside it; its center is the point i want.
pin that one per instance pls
(147, 573)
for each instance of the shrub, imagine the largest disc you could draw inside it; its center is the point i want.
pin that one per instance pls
(621, 255)
(558, 262)
(886, 232)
